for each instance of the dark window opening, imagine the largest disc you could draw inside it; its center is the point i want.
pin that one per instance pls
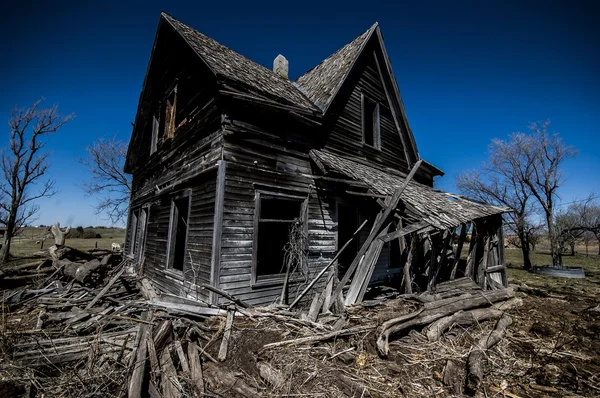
(370, 122)
(276, 218)
(178, 232)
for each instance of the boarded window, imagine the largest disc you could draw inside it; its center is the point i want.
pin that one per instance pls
(370, 122)
(180, 210)
(275, 217)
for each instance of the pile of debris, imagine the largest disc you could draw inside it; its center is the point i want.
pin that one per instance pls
(103, 336)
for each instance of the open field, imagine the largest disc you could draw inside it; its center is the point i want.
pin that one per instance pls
(25, 243)
(588, 286)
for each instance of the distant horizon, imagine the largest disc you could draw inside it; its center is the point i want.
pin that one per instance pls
(467, 73)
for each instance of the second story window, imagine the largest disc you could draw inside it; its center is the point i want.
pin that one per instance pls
(370, 123)
(170, 111)
(155, 129)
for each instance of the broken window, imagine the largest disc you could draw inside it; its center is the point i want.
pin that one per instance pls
(170, 110)
(370, 122)
(140, 243)
(133, 230)
(180, 210)
(155, 130)
(275, 216)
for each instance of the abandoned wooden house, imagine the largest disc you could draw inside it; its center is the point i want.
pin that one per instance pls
(263, 187)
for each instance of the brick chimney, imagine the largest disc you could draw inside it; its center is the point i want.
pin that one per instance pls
(281, 66)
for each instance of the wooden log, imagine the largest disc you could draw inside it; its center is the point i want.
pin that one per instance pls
(226, 334)
(477, 358)
(324, 270)
(59, 236)
(195, 369)
(226, 295)
(397, 325)
(380, 221)
(435, 330)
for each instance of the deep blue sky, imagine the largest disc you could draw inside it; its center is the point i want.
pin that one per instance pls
(468, 71)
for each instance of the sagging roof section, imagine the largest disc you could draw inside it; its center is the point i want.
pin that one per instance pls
(322, 82)
(439, 209)
(232, 66)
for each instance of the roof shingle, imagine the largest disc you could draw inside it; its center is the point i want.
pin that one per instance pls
(439, 209)
(229, 64)
(322, 82)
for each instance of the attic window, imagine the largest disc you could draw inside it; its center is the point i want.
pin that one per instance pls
(275, 217)
(370, 122)
(155, 129)
(170, 111)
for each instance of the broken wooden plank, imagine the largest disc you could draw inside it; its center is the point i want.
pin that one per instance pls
(195, 369)
(168, 376)
(137, 377)
(321, 337)
(322, 272)
(182, 360)
(226, 334)
(399, 233)
(380, 221)
(107, 287)
(228, 296)
(461, 241)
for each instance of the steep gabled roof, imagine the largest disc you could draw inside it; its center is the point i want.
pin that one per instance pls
(322, 82)
(232, 66)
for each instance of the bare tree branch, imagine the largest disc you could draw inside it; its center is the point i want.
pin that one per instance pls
(105, 160)
(24, 165)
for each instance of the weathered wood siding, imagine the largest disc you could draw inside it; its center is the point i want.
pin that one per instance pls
(346, 136)
(259, 158)
(196, 269)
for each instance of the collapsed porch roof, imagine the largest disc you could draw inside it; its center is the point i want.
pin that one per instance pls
(437, 208)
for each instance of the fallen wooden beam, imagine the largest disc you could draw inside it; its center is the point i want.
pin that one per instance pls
(429, 315)
(477, 358)
(322, 272)
(380, 221)
(226, 335)
(228, 296)
(321, 337)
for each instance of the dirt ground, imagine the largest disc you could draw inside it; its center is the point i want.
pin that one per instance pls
(551, 349)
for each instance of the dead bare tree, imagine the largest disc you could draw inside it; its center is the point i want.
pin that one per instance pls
(536, 161)
(104, 160)
(24, 164)
(495, 184)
